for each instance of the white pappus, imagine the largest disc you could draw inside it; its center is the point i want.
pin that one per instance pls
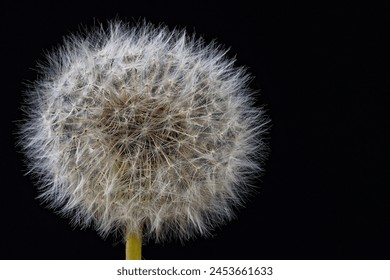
(142, 127)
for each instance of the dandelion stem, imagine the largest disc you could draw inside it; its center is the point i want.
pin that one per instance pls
(134, 246)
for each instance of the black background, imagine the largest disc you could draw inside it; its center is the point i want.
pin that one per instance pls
(324, 78)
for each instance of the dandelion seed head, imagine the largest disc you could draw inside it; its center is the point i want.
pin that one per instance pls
(133, 127)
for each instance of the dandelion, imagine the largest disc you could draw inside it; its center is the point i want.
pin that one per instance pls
(143, 131)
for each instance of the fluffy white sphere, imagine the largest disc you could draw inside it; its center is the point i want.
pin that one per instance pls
(143, 127)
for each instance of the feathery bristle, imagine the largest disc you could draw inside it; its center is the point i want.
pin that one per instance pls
(143, 127)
